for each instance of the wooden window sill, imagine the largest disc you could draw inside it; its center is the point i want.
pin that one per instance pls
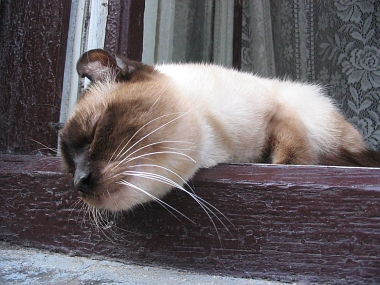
(291, 223)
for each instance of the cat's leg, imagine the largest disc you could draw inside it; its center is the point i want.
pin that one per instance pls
(289, 143)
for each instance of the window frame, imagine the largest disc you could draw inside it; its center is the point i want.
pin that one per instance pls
(294, 242)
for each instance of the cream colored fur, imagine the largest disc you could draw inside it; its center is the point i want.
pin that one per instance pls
(243, 105)
(194, 116)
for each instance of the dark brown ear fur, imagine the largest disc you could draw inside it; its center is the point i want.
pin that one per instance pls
(366, 158)
(99, 65)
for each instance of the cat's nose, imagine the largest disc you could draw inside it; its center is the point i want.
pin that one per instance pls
(81, 180)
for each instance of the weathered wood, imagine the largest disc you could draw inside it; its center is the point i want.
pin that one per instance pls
(125, 27)
(33, 36)
(291, 223)
(238, 23)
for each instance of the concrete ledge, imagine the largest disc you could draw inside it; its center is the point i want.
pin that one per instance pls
(38, 267)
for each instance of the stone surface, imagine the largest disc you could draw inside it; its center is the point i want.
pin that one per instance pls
(32, 266)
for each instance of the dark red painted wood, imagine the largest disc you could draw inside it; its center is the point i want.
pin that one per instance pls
(238, 18)
(291, 223)
(125, 26)
(33, 37)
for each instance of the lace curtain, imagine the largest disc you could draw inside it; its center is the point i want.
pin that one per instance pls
(334, 43)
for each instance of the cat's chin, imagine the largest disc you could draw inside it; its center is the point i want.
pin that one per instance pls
(106, 201)
(122, 198)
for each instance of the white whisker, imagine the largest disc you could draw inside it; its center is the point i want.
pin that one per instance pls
(154, 104)
(162, 203)
(125, 159)
(100, 221)
(206, 206)
(151, 121)
(155, 130)
(180, 187)
(161, 152)
(45, 147)
(74, 205)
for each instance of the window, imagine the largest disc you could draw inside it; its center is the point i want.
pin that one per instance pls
(87, 30)
(174, 31)
(303, 41)
(310, 223)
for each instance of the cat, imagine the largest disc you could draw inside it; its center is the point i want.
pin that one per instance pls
(138, 131)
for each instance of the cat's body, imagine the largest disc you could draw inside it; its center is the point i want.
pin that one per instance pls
(242, 115)
(139, 131)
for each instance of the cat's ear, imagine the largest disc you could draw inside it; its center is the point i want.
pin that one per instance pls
(100, 65)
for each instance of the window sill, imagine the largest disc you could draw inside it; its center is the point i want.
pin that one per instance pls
(291, 223)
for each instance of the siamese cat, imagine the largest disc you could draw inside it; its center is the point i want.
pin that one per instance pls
(138, 131)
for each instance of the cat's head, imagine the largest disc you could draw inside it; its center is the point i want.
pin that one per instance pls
(130, 139)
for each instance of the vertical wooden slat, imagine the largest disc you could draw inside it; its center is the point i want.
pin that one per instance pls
(238, 12)
(33, 37)
(125, 26)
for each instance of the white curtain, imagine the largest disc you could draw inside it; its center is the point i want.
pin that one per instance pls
(335, 43)
(188, 31)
